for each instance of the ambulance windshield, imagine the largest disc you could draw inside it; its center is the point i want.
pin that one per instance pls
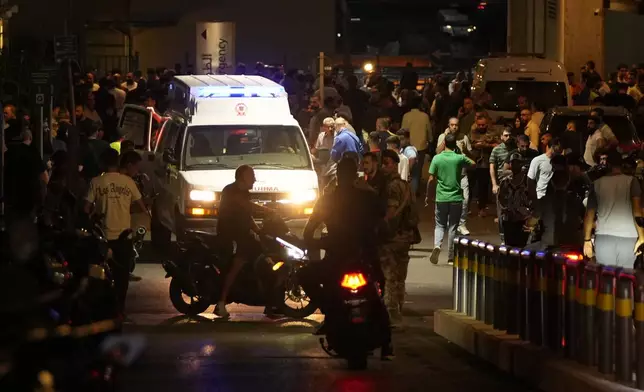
(266, 146)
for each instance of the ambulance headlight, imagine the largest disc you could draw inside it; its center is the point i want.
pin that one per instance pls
(303, 196)
(199, 195)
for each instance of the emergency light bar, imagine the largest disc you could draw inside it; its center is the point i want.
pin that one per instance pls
(239, 92)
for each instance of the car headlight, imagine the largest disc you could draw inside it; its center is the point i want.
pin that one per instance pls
(303, 196)
(199, 195)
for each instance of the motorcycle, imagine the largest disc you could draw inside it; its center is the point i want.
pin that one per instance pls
(357, 319)
(137, 242)
(201, 276)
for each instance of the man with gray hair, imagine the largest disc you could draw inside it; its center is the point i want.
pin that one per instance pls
(321, 151)
(341, 122)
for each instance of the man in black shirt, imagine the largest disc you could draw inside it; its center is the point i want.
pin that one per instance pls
(523, 148)
(26, 177)
(236, 224)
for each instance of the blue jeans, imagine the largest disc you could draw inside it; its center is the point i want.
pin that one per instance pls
(447, 215)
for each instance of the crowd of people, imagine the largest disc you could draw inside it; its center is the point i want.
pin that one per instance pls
(546, 191)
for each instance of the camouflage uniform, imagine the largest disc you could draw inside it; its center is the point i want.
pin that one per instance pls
(394, 252)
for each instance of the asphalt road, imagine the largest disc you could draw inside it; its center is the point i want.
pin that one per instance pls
(250, 352)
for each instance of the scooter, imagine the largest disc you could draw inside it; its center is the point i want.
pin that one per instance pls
(356, 320)
(205, 260)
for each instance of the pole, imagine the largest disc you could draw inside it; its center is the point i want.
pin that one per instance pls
(41, 141)
(321, 65)
(51, 112)
(71, 92)
(2, 148)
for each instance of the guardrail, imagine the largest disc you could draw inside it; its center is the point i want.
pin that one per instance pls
(590, 313)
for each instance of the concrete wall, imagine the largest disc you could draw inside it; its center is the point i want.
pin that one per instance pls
(533, 27)
(621, 39)
(583, 34)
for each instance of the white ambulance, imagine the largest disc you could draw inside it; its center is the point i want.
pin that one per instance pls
(215, 124)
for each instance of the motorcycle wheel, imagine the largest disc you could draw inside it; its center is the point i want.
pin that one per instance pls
(296, 294)
(192, 308)
(357, 361)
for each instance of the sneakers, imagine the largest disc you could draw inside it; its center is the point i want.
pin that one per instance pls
(220, 310)
(450, 262)
(434, 257)
(135, 278)
(462, 230)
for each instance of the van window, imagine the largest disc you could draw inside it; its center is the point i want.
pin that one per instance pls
(504, 96)
(134, 125)
(269, 146)
(169, 136)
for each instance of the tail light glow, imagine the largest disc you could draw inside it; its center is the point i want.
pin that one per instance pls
(353, 281)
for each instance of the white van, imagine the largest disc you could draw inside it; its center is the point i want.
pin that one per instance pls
(217, 123)
(499, 82)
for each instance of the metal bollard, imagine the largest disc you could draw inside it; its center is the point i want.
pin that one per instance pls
(624, 326)
(524, 294)
(470, 277)
(481, 272)
(606, 310)
(462, 303)
(513, 293)
(490, 285)
(456, 289)
(639, 330)
(571, 332)
(556, 303)
(588, 296)
(501, 293)
(537, 318)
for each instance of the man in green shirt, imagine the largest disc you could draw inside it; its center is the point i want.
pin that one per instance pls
(446, 168)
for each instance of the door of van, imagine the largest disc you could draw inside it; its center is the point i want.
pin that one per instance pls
(136, 124)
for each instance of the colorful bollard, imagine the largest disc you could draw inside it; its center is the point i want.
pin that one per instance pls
(490, 284)
(501, 290)
(606, 310)
(481, 271)
(470, 277)
(514, 293)
(624, 326)
(462, 303)
(456, 290)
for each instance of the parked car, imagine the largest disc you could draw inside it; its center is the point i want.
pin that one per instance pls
(618, 119)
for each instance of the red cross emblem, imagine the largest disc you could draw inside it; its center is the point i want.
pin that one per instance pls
(241, 109)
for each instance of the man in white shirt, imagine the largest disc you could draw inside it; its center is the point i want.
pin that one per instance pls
(393, 143)
(321, 152)
(601, 136)
(112, 195)
(119, 95)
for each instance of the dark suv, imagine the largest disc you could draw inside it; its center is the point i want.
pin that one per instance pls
(618, 119)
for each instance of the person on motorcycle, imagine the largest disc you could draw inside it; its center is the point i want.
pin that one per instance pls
(351, 213)
(236, 225)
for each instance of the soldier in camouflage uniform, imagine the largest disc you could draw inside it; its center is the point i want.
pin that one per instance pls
(397, 237)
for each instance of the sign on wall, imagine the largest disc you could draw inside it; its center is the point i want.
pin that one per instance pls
(215, 48)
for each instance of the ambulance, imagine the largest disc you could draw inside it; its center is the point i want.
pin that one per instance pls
(215, 124)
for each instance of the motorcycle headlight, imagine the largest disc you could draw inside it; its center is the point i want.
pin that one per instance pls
(200, 195)
(292, 251)
(303, 196)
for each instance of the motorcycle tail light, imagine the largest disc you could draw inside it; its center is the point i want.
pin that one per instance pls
(353, 281)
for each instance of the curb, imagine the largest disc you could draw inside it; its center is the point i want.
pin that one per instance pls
(521, 359)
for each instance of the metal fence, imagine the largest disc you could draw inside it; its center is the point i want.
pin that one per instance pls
(590, 313)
